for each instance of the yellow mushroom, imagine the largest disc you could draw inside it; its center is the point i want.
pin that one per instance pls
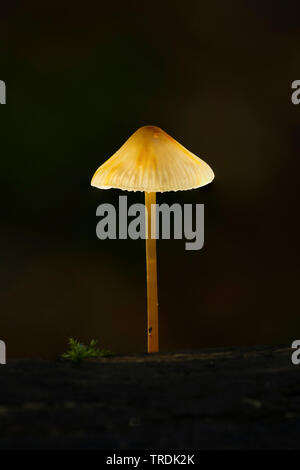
(151, 161)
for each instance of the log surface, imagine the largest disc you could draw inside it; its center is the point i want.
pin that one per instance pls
(225, 398)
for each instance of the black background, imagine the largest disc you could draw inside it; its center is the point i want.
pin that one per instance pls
(81, 77)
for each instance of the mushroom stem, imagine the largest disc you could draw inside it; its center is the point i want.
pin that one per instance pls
(152, 301)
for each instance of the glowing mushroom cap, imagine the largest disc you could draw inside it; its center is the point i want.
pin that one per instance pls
(152, 161)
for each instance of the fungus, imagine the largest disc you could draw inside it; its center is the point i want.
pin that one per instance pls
(152, 161)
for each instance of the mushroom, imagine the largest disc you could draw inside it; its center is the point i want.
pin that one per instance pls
(152, 161)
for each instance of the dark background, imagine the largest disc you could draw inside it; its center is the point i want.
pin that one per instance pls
(81, 77)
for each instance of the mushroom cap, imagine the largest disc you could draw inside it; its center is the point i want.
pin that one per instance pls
(152, 161)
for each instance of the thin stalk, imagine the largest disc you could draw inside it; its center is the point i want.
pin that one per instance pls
(152, 300)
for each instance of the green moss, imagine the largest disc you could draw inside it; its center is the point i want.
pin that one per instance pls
(78, 351)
